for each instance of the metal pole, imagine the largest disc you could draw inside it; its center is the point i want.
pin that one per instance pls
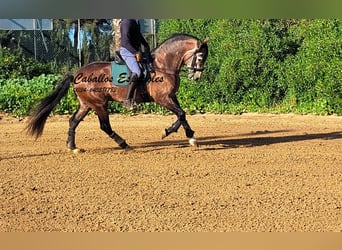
(42, 35)
(79, 42)
(154, 33)
(34, 39)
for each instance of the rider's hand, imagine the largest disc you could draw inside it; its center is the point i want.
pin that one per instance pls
(138, 56)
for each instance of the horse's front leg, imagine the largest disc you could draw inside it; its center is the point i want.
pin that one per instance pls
(174, 106)
(188, 131)
(174, 128)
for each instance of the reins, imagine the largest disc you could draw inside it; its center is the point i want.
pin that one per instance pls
(168, 71)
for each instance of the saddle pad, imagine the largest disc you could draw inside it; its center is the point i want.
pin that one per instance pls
(120, 74)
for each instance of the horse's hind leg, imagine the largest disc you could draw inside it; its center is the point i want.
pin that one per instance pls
(105, 126)
(73, 123)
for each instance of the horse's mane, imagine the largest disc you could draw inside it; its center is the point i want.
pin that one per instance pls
(179, 36)
(176, 37)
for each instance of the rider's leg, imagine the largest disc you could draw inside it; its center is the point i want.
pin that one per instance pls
(128, 103)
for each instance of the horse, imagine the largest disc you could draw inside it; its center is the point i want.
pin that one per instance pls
(95, 87)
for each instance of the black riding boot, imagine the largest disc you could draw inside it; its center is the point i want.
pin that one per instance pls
(128, 103)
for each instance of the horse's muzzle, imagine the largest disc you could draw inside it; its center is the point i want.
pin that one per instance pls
(196, 76)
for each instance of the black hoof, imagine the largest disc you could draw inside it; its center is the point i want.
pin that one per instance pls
(128, 148)
(125, 146)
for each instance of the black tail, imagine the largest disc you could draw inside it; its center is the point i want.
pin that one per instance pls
(37, 121)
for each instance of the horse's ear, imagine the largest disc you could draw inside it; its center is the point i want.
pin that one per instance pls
(206, 39)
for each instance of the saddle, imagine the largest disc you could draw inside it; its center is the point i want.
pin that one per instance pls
(144, 66)
(121, 75)
(118, 58)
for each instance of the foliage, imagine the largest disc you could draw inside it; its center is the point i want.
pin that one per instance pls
(266, 65)
(281, 65)
(16, 65)
(19, 95)
(314, 75)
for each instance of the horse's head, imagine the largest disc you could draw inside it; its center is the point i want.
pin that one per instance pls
(195, 62)
(179, 50)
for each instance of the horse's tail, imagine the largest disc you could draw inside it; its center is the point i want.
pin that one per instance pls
(37, 121)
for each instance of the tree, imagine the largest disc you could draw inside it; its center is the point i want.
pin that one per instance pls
(116, 41)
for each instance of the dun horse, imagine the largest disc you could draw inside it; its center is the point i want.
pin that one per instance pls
(95, 85)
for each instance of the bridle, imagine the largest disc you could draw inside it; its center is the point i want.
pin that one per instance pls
(193, 68)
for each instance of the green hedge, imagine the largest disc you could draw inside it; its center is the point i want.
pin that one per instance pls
(15, 65)
(19, 95)
(266, 65)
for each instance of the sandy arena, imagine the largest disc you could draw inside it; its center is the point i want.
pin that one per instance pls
(252, 172)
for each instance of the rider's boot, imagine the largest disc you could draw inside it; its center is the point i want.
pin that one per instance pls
(128, 103)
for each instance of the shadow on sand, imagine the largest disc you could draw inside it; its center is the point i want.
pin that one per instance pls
(253, 139)
(219, 142)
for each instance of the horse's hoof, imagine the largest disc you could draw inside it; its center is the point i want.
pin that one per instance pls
(128, 148)
(76, 150)
(193, 142)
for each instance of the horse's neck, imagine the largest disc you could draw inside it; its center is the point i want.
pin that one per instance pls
(171, 57)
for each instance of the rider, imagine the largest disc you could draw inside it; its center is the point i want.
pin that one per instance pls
(130, 50)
